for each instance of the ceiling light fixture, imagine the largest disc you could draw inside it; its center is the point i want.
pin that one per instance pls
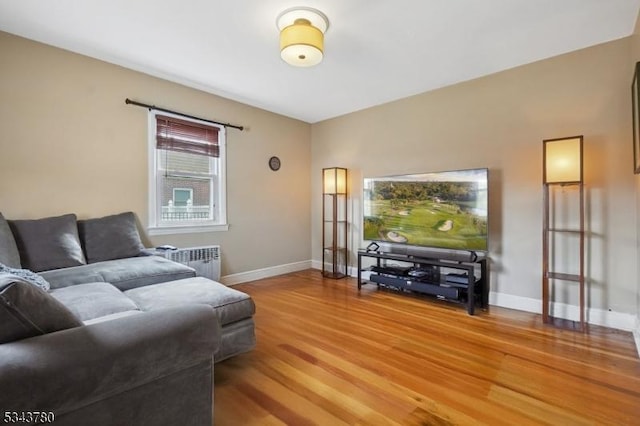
(302, 36)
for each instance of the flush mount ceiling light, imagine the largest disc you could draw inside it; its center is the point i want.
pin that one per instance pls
(302, 36)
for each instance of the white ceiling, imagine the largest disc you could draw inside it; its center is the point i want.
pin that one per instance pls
(376, 51)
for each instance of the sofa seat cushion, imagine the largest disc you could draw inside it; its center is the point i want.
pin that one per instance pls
(111, 317)
(125, 274)
(230, 305)
(93, 300)
(27, 311)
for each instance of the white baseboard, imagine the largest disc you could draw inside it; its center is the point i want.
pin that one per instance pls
(617, 320)
(515, 302)
(258, 274)
(352, 271)
(636, 334)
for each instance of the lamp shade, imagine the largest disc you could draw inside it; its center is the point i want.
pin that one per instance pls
(563, 160)
(334, 180)
(302, 36)
(301, 44)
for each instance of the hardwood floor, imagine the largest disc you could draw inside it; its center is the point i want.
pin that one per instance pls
(328, 355)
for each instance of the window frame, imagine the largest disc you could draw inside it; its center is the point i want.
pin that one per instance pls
(219, 185)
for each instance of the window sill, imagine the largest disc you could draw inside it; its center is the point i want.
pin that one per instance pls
(185, 229)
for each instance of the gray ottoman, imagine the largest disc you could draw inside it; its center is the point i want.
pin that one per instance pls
(234, 308)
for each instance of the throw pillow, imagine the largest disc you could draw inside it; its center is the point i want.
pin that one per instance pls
(8, 250)
(28, 311)
(49, 243)
(110, 237)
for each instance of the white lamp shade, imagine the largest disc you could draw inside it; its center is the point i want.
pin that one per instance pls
(334, 180)
(563, 160)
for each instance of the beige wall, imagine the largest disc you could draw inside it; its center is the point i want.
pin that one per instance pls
(635, 57)
(70, 144)
(499, 122)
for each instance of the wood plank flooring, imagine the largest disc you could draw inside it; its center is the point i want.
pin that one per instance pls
(330, 355)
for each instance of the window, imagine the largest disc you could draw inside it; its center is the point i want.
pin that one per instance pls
(186, 175)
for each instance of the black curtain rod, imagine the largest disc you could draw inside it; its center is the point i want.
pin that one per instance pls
(140, 104)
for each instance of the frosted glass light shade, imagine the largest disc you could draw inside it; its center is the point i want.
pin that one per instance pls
(302, 36)
(334, 180)
(563, 160)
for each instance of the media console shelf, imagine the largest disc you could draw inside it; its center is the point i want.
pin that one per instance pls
(454, 280)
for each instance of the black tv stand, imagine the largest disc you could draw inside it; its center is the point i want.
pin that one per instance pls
(453, 280)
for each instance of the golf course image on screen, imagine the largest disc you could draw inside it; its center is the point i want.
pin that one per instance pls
(444, 209)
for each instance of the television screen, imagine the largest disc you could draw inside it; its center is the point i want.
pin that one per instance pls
(443, 209)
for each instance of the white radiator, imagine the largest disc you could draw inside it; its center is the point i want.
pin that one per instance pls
(205, 260)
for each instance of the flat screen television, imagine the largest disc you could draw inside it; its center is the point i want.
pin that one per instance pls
(446, 210)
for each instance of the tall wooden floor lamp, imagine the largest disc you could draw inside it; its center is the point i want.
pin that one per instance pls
(562, 171)
(334, 222)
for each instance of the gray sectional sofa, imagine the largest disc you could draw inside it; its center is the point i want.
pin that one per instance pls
(95, 330)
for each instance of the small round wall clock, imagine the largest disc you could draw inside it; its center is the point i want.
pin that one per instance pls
(274, 163)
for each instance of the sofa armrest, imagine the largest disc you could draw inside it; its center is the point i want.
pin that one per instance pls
(69, 369)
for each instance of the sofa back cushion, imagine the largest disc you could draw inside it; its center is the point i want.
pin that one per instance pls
(110, 237)
(27, 311)
(48, 243)
(8, 249)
